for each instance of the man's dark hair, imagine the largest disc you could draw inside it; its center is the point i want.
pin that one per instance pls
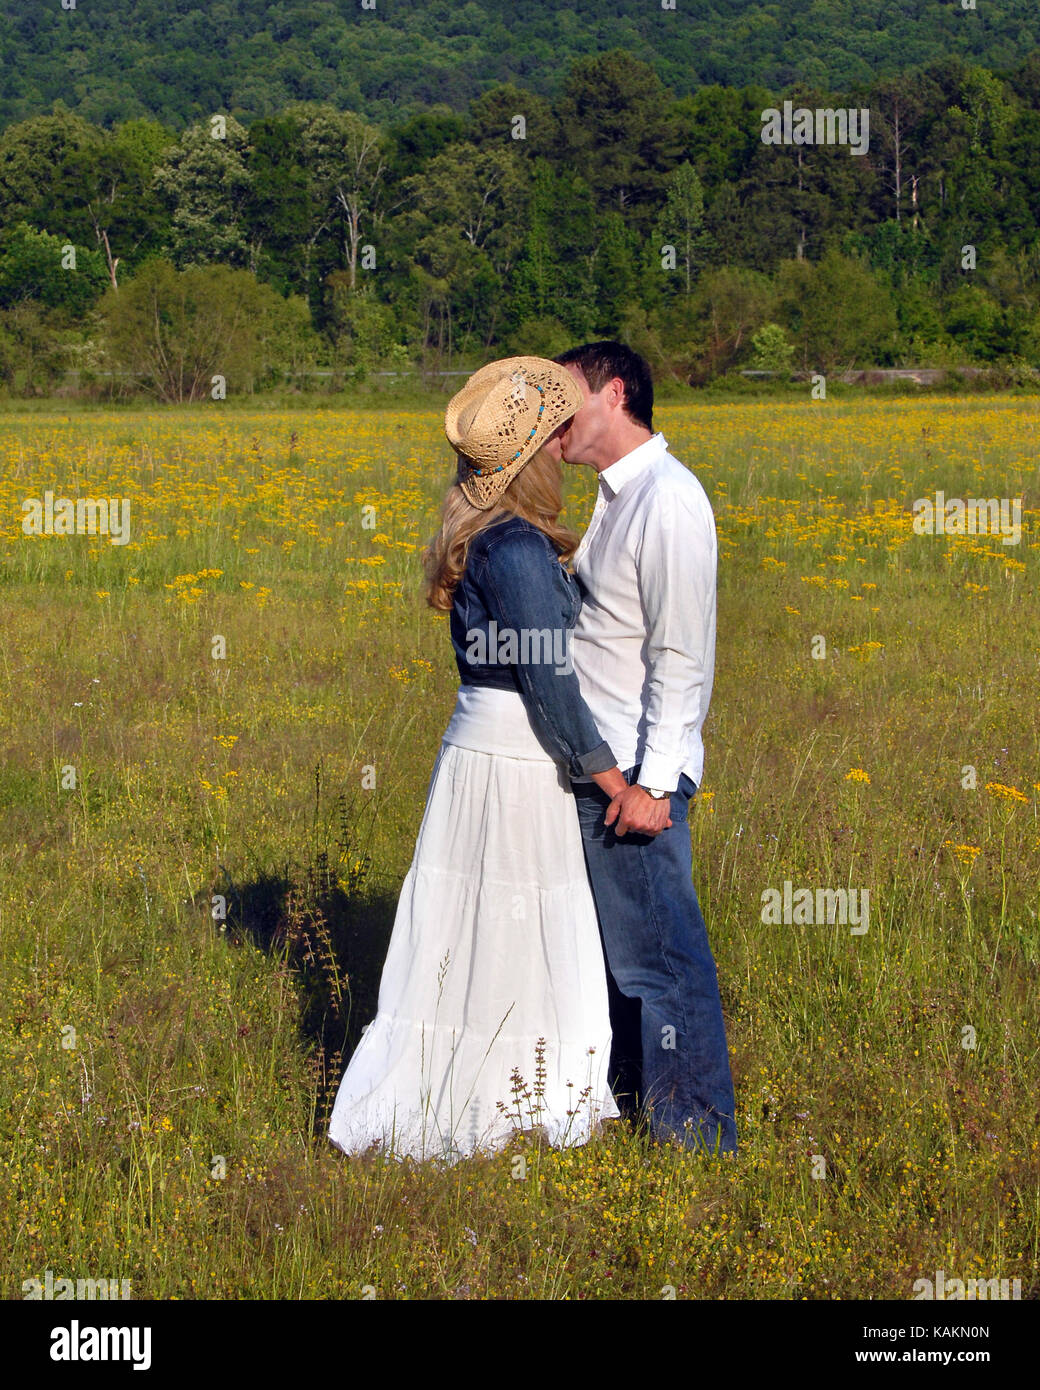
(601, 362)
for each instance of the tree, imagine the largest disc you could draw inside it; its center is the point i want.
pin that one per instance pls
(615, 274)
(363, 329)
(491, 121)
(205, 182)
(33, 266)
(35, 186)
(896, 108)
(835, 310)
(345, 159)
(719, 128)
(174, 331)
(772, 351)
(414, 142)
(728, 306)
(794, 198)
(277, 210)
(465, 221)
(972, 318)
(682, 218)
(29, 348)
(618, 129)
(86, 185)
(113, 182)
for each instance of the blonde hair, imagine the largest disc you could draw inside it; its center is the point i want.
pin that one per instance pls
(535, 494)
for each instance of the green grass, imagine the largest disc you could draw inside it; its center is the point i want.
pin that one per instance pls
(178, 1139)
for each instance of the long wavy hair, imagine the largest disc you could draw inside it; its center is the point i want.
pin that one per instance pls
(536, 494)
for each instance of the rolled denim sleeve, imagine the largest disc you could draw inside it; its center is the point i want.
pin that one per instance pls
(523, 598)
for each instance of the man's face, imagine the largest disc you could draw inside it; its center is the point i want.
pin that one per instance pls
(578, 437)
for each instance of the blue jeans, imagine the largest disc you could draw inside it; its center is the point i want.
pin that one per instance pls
(669, 1051)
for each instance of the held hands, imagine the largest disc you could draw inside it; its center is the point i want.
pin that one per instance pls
(635, 809)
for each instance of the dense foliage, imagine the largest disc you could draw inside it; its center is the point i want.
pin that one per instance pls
(177, 60)
(524, 222)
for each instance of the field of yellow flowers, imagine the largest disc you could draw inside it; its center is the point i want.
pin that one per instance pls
(215, 743)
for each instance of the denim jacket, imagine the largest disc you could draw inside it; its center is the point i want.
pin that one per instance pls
(511, 625)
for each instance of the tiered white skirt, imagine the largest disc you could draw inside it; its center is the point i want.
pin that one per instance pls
(492, 1014)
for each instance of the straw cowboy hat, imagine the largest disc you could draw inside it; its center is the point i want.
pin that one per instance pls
(502, 417)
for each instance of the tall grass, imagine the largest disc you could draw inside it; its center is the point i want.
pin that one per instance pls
(205, 900)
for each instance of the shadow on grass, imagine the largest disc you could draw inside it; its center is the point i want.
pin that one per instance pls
(334, 941)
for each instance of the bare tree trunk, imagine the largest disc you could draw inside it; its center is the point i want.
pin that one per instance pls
(113, 261)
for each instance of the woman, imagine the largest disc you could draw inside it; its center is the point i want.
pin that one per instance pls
(492, 1013)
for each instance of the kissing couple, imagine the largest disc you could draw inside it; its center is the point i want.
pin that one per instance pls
(549, 959)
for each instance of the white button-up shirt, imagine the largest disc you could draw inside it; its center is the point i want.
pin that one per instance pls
(644, 643)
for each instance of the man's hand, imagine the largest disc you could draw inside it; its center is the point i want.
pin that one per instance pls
(635, 809)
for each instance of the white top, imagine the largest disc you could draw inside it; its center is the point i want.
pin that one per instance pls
(644, 643)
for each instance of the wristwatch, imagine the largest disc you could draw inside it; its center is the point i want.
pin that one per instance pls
(657, 795)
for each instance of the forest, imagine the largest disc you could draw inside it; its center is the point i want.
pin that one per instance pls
(315, 238)
(114, 60)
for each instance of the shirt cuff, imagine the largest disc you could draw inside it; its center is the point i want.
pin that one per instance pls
(658, 772)
(599, 759)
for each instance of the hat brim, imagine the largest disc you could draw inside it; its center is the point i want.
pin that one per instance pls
(483, 488)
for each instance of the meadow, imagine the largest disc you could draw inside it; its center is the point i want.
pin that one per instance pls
(215, 744)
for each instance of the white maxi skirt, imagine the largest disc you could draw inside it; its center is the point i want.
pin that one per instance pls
(492, 1014)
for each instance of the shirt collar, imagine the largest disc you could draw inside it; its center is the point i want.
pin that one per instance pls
(624, 469)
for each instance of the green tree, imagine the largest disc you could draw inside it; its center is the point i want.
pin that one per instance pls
(491, 121)
(556, 276)
(414, 142)
(536, 284)
(618, 129)
(39, 173)
(118, 190)
(794, 199)
(720, 130)
(544, 336)
(972, 318)
(465, 223)
(898, 106)
(345, 160)
(278, 210)
(363, 330)
(615, 273)
(205, 183)
(31, 351)
(772, 351)
(91, 186)
(174, 331)
(682, 220)
(836, 311)
(728, 306)
(32, 267)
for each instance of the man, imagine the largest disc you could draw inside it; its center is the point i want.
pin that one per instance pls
(644, 651)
